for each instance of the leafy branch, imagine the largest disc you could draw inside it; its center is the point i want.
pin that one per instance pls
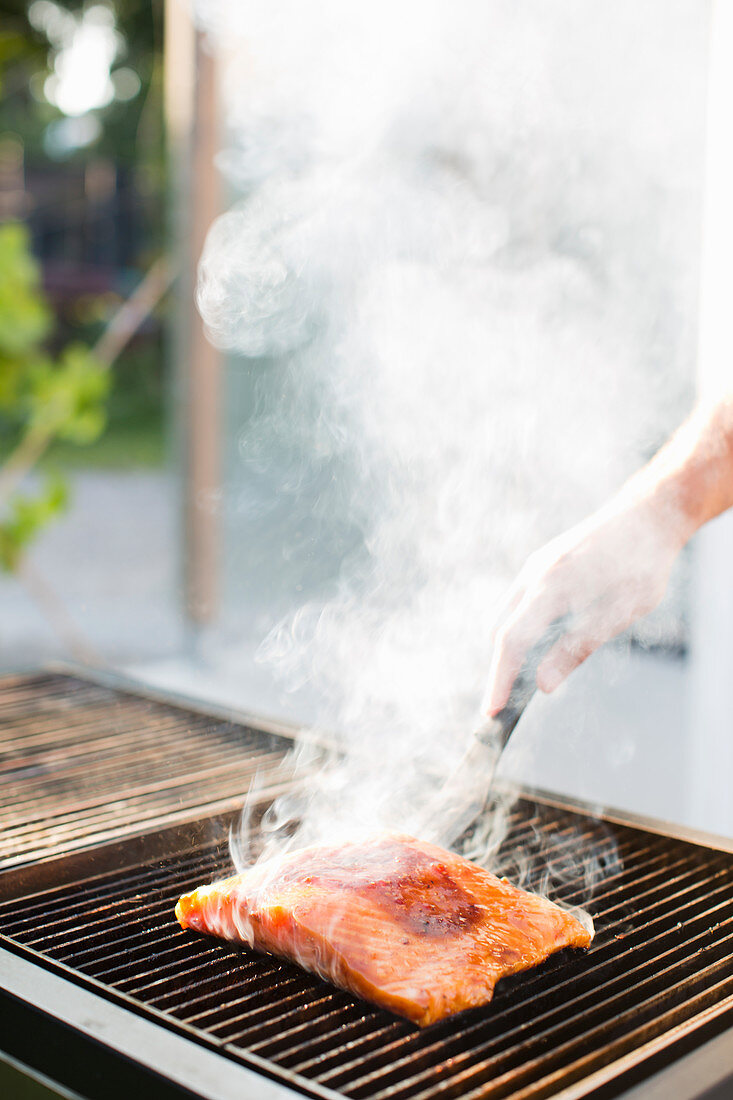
(44, 398)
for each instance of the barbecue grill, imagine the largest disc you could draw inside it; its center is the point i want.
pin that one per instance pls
(116, 801)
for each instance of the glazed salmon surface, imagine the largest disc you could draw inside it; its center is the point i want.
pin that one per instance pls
(402, 923)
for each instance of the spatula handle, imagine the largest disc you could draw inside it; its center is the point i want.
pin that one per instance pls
(498, 730)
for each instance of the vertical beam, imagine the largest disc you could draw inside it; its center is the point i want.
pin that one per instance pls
(204, 432)
(711, 729)
(192, 120)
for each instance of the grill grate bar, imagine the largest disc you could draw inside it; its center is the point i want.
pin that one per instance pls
(23, 696)
(311, 1006)
(108, 914)
(341, 1045)
(141, 723)
(184, 800)
(84, 746)
(210, 1006)
(147, 990)
(154, 922)
(210, 963)
(187, 770)
(154, 816)
(174, 960)
(190, 791)
(74, 899)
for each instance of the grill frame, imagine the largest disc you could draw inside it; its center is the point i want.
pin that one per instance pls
(90, 1020)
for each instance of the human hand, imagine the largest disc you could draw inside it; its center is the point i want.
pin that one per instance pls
(600, 577)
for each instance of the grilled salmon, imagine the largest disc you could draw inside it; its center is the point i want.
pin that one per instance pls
(402, 923)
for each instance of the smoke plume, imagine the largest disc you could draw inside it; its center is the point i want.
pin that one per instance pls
(455, 267)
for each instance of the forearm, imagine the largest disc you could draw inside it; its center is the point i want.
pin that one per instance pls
(690, 480)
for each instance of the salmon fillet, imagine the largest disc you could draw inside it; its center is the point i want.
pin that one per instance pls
(402, 923)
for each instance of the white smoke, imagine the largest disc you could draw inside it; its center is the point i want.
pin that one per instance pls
(461, 257)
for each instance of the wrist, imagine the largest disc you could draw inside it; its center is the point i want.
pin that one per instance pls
(674, 511)
(651, 517)
(670, 498)
(690, 481)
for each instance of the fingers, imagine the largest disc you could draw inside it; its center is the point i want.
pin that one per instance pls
(496, 686)
(510, 601)
(564, 658)
(600, 622)
(530, 620)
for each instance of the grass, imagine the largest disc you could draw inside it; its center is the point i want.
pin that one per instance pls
(130, 443)
(135, 436)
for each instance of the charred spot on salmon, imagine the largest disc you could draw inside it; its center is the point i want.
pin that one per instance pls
(415, 890)
(447, 908)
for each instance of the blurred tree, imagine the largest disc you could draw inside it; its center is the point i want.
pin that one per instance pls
(53, 388)
(131, 125)
(95, 209)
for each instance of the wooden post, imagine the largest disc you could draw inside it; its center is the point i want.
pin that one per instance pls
(192, 121)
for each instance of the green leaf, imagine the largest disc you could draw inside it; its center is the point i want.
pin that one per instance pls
(62, 399)
(27, 516)
(68, 399)
(25, 318)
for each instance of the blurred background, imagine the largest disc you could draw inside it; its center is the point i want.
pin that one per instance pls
(89, 514)
(167, 502)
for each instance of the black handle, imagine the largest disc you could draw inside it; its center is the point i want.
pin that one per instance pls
(498, 730)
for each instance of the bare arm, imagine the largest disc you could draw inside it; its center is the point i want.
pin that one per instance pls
(614, 566)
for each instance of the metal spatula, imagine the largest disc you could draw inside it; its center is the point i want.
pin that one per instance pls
(465, 793)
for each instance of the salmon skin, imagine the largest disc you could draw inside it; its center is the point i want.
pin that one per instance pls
(400, 922)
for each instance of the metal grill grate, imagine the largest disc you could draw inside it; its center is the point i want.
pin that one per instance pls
(660, 965)
(82, 764)
(130, 780)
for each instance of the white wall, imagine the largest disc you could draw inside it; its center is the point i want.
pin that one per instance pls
(711, 696)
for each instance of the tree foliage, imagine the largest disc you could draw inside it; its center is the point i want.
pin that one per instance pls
(42, 397)
(131, 131)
